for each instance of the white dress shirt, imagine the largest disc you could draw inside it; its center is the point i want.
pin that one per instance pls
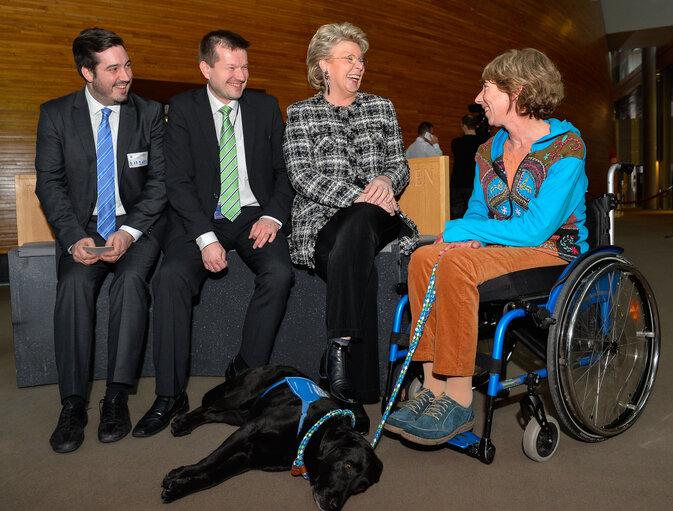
(247, 198)
(421, 148)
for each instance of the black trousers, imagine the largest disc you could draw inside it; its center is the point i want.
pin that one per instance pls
(344, 257)
(179, 281)
(74, 313)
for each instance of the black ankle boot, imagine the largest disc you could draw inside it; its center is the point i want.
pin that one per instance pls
(236, 366)
(334, 369)
(361, 418)
(322, 372)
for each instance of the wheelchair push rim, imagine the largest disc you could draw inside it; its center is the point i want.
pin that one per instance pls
(603, 349)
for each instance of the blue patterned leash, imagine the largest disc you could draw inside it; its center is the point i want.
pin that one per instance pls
(298, 467)
(425, 312)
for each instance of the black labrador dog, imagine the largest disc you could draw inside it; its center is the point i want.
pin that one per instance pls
(273, 420)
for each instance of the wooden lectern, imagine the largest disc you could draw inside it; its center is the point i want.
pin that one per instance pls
(426, 199)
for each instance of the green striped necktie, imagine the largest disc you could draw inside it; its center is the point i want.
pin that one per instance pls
(229, 205)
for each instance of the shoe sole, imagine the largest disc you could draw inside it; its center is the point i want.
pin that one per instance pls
(69, 449)
(115, 438)
(437, 441)
(397, 430)
(75, 446)
(65, 451)
(139, 434)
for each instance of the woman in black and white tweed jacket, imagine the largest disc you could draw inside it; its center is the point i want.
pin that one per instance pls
(345, 158)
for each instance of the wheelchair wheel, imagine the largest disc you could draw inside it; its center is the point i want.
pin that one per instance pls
(537, 445)
(603, 349)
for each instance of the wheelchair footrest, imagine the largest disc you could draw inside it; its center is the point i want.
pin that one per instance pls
(474, 446)
(464, 440)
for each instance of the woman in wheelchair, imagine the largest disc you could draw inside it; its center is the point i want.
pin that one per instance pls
(527, 210)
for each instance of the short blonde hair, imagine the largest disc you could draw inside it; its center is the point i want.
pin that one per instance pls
(321, 46)
(534, 74)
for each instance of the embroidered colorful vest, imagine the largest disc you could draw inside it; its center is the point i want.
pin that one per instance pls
(504, 203)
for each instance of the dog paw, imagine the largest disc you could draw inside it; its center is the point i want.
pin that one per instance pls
(172, 493)
(173, 485)
(173, 475)
(167, 496)
(180, 426)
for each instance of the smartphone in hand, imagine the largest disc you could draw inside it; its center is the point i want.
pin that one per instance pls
(98, 250)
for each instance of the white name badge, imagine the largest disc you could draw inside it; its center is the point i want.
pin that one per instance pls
(137, 159)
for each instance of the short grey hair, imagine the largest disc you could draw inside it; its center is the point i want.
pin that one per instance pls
(322, 43)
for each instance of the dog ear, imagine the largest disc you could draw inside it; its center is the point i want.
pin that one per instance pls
(374, 467)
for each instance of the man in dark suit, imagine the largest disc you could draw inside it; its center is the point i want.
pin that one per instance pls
(100, 180)
(464, 150)
(228, 189)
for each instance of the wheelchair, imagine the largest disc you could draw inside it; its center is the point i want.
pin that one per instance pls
(594, 322)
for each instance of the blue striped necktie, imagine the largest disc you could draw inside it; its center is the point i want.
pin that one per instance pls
(229, 204)
(106, 177)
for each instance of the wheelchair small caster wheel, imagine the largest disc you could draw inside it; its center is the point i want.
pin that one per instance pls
(537, 445)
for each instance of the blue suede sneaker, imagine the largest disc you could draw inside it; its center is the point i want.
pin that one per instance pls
(408, 412)
(440, 422)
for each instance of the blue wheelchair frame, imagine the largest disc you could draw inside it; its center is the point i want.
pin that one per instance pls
(482, 448)
(540, 307)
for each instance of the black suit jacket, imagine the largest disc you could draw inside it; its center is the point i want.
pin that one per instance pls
(192, 158)
(66, 164)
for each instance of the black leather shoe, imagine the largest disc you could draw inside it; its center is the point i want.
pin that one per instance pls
(336, 372)
(115, 422)
(160, 414)
(236, 366)
(69, 432)
(361, 418)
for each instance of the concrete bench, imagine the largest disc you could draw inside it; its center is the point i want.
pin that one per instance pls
(215, 336)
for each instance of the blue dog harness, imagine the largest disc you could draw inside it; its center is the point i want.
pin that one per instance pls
(308, 392)
(304, 389)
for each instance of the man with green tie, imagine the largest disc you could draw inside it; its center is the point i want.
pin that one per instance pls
(228, 190)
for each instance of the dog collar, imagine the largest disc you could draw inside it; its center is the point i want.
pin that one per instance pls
(298, 467)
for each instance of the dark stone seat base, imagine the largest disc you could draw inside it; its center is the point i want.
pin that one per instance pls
(215, 336)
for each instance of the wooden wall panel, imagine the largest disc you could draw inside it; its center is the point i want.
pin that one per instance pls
(426, 57)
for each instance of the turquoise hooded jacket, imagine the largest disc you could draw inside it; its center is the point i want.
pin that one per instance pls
(545, 208)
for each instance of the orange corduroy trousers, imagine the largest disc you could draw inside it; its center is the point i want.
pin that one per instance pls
(449, 338)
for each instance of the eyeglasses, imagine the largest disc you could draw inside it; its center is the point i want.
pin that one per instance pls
(351, 59)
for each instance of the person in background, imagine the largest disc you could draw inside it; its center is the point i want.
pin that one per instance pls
(462, 177)
(345, 158)
(426, 144)
(527, 210)
(100, 180)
